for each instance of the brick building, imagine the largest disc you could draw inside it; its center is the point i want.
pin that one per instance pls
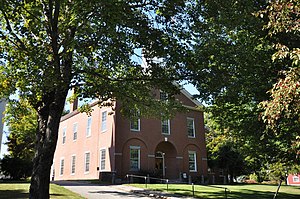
(93, 146)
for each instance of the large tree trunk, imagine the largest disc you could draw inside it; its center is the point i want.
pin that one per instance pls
(49, 114)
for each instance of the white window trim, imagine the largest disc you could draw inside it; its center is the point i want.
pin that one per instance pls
(72, 164)
(164, 93)
(86, 172)
(75, 125)
(64, 135)
(101, 159)
(194, 131)
(104, 129)
(139, 126)
(169, 127)
(139, 157)
(60, 166)
(89, 128)
(195, 161)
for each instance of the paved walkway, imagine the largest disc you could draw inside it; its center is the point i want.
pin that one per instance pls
(96, 191)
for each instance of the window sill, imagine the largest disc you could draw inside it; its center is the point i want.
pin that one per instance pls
(134, 169)
(194, 171)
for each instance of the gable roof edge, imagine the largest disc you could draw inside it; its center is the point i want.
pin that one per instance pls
(190, 97)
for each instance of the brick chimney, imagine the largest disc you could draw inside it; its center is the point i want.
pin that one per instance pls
(74, 103)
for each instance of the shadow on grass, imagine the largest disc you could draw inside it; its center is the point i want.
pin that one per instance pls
(242, 194)
(250, 194)
(13, 194)
(57, 194)
(14, 181)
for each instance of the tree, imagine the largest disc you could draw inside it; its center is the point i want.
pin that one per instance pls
(16, 168)
(225, 154)
(21, 121)
(49, 47)
(230, 152)
(234, 70)
(281, 112)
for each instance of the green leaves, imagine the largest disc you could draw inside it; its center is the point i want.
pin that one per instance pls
(89, 46)
(21, 120)
(234, 71)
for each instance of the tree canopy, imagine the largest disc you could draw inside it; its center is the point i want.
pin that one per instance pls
(235, 50)
(224, 48)
(49, 47)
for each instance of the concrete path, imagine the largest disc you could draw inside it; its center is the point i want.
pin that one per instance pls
(96, 191)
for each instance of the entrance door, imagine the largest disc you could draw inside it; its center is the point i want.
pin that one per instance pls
(160, 164)
(165, 160)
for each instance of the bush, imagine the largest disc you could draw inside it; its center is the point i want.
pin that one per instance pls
(253, 177)
(16, 168)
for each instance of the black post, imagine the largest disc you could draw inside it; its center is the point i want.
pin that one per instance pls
(193, 188)
(225, 193)
(167, 185)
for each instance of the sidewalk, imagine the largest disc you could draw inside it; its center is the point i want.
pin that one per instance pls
(95, 191)
(150, 193)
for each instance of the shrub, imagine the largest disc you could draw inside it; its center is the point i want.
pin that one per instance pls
(16, 168)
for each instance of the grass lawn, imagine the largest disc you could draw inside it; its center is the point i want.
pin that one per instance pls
(243, 191)
(20, 190)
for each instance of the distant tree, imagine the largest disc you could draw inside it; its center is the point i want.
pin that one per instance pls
(21, 120)
(22, 125)
(226, 151)
(49, 47)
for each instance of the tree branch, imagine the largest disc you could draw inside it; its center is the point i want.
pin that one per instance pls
(9, 28)
(145, 78)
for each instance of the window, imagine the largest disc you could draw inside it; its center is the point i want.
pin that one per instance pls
(191, 127)
(163, 96)
(73, 163)
(89, 127)
(192, 161)
(221, 172)
(165, 127)
(135, 121)
(87, 162)
(75, 127)
(62, 165)
(64, 135)
(104, 121)
(134, 158)
(296, 179)
(102, 159)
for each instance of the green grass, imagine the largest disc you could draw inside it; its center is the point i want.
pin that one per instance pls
(243, 191)
(20, 190)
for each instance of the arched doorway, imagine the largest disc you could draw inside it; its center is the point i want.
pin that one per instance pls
(165, 160)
